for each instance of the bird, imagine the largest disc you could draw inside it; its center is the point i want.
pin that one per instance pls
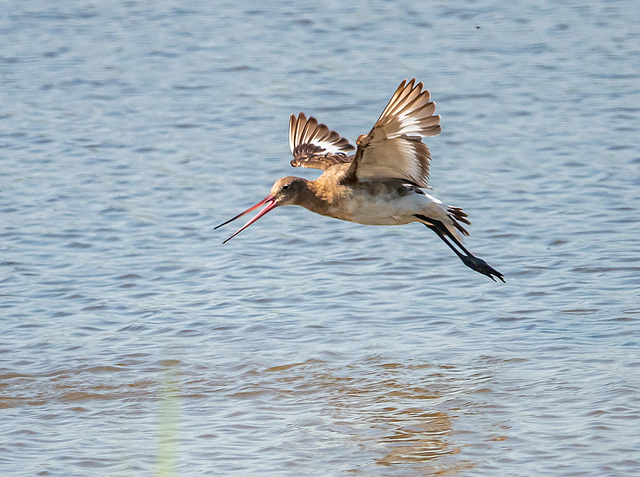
(382, 183)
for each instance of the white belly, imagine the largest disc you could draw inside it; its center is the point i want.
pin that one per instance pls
(398, 211)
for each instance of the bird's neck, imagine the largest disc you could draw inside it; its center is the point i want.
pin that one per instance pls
(314, 197)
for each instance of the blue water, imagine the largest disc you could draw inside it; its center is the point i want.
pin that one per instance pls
(134, 343)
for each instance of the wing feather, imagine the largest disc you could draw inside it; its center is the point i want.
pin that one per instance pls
(315, 145)
(393, 149)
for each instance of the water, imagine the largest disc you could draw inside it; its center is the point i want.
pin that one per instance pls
(134, 343)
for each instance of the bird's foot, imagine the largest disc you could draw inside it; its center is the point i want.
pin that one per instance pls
(481, 266)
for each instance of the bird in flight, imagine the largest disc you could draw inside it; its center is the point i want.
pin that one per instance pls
(381, 184)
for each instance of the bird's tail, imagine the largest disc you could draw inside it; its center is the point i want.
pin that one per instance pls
(456, 215)
(450, 216)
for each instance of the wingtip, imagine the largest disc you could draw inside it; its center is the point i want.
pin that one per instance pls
(294, 119)
(403, 85)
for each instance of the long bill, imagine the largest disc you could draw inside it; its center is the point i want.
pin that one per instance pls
(270, 203)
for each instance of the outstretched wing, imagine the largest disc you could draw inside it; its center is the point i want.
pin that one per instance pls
(315, 145)
(394, 147)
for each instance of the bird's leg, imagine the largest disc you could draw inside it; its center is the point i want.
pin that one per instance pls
(467, 258)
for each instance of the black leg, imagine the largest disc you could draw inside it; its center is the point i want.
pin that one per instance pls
(467, 258)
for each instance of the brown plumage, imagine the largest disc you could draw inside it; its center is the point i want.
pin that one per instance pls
(381, 184)
(315, 145)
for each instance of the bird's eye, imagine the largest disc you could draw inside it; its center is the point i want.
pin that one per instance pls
(285, 187)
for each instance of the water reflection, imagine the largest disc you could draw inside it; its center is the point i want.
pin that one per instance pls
(400, 410)
(399, 414)
(72, 385)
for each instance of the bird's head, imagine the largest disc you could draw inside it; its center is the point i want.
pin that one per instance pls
(288, 190)
(285, 191)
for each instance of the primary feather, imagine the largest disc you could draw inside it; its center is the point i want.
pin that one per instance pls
(394, 147)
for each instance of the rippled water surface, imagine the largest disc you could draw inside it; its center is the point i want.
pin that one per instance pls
(134, 343)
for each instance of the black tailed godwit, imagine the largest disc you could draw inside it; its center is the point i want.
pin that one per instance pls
(381, 184)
